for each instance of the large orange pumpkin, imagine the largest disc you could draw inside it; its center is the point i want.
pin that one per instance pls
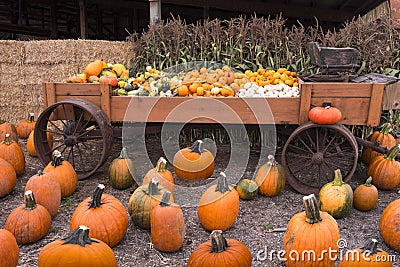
(25, 127)
(383, 138)
(220, 252)
(270, 178)
(94, 68)
(143, 200)
(63, 171)
(29, 222)
(193, 163)
(104, 215)
(385, 170)
(325, 115)
(163, 175)
(368, 256)
(365, 196)
(8, 249)
(13, 154)
(311, 230)
(8, 128)
(8, 178)
(167, 225)
(389, 225)
(77, 249)
(219, 206)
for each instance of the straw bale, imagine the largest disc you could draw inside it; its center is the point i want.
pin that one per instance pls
(39, 73)
(50, 51)
(10, 73)
(12, 52)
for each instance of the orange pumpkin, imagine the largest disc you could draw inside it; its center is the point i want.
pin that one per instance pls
(63, 171)
(121, 170)
(219, 206)
(270, 178)
(385, 170)
(8, 249)
(104, 215)
(311, 230)
(325, 115)
(167, 225)
(77, 249)
(383, 138)
(193, 163)
(220, 252)
(94, 68)
(164, 176)
(8, 178)
(25, 127)
(389, 225)
(8, 128)
(13, 154)
(30, 144)
(29, 222)
(365, 196)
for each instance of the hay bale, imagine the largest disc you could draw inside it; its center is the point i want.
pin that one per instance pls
(12, 52)
(40, 73)
(50, 52)
(10, 73)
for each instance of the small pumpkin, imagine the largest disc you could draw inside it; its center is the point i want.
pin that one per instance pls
(25, 127)
(104, 215)
(47, 191)
(325, 115)
(336, 197)
(29, 222)
(220, 251)
(365, 196)
(383, 138)
(270, 178)
(368, 256)
(385, 170)
(193, 163)
(8, 128)
(94, 68)
(77, 249)
(163, 175)
(8, 249)
(167, 225)
(13, 154)
(63, 171)
(311, 230)
(219, 206)
(389, 225)
(30, 144)
(247, 189)
(120, 171)
(143, 200)
(8, 178)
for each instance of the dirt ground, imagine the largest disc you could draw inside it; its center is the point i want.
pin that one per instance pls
(250, 227)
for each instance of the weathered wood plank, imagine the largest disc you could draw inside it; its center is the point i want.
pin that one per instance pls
(105, 100)
(375, 106)
(391, 96)
(341, 89)
(77, 89)
(305, 97)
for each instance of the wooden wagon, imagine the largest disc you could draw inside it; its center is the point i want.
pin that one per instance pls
(77, 113)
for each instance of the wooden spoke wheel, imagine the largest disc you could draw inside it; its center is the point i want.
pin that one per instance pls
(80, 131)
(312, 153)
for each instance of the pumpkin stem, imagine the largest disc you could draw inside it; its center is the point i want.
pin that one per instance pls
(312, 209)
(152, 188)
(222, 184)
(7, 140)
(165, 199)
(161, 165)
(386, 128)
(392, 153)
(123, 154)
(80, 236)
(197, 147)
(31, 117)
(272, 161)
(368, 182)
(338, 180)
(371, 247)
(218, 242)
(30, 203)
(96, 198)
(57, 158)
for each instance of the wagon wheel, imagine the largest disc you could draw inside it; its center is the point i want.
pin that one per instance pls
(312, 153)
(80, 131)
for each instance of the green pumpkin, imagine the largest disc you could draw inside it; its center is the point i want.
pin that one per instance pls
(336, 197)
(247, 189)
